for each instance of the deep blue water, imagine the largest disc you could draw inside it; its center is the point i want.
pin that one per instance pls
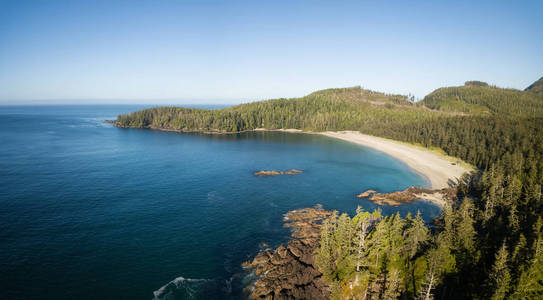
(89, 211)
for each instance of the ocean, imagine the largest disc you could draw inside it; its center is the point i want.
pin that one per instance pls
(90, 211)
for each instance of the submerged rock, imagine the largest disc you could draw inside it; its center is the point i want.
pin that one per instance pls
(288, 272)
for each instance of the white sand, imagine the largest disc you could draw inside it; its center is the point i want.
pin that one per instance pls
(438, 169)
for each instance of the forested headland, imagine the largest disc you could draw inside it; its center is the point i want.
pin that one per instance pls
(490, 241)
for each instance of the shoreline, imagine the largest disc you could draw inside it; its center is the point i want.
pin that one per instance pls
(439, 170)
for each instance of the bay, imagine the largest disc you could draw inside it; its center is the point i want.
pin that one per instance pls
(90, 211)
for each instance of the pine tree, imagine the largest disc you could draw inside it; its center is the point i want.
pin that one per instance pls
(392, 286)
(440, 261)
(530, 284)
(465, 232)
(363, 221)
(499, 277)
(415, 235)
(324, 257)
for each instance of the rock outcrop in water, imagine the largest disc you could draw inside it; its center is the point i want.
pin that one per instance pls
(409, 195)
(289, 272)
(366, 193)
(273, 173)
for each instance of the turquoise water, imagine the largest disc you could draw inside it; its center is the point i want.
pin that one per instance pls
(89, 211)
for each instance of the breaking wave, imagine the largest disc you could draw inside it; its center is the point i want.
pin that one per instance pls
(189, 288)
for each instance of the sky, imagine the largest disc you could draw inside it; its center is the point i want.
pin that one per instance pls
(226, 52)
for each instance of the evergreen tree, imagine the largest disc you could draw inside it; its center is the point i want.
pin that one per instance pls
(530, 284)
(465, 231)
(325, 255)
(500, 277)
(415, 235)
(440, 261)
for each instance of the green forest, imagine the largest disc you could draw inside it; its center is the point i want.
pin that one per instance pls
(490, 242)
(480, 99)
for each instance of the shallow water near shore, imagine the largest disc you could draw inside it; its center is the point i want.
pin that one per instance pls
(90, 211)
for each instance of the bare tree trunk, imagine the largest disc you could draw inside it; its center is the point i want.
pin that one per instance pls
(430, 284)
(361, 242)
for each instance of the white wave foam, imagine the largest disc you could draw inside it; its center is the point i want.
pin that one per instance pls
(190, 288)
(188, 285)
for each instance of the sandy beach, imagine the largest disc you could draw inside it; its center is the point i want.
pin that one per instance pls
(438, 169)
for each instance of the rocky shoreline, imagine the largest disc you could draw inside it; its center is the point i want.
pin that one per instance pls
(289, 272)
(437, 196)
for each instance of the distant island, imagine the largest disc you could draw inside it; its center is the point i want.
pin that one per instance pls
(487, 243)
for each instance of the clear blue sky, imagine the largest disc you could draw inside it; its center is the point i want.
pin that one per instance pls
(231, 52)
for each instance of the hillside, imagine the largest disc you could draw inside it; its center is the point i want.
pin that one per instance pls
(536, 87)
(331, 109)
(483, 99)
